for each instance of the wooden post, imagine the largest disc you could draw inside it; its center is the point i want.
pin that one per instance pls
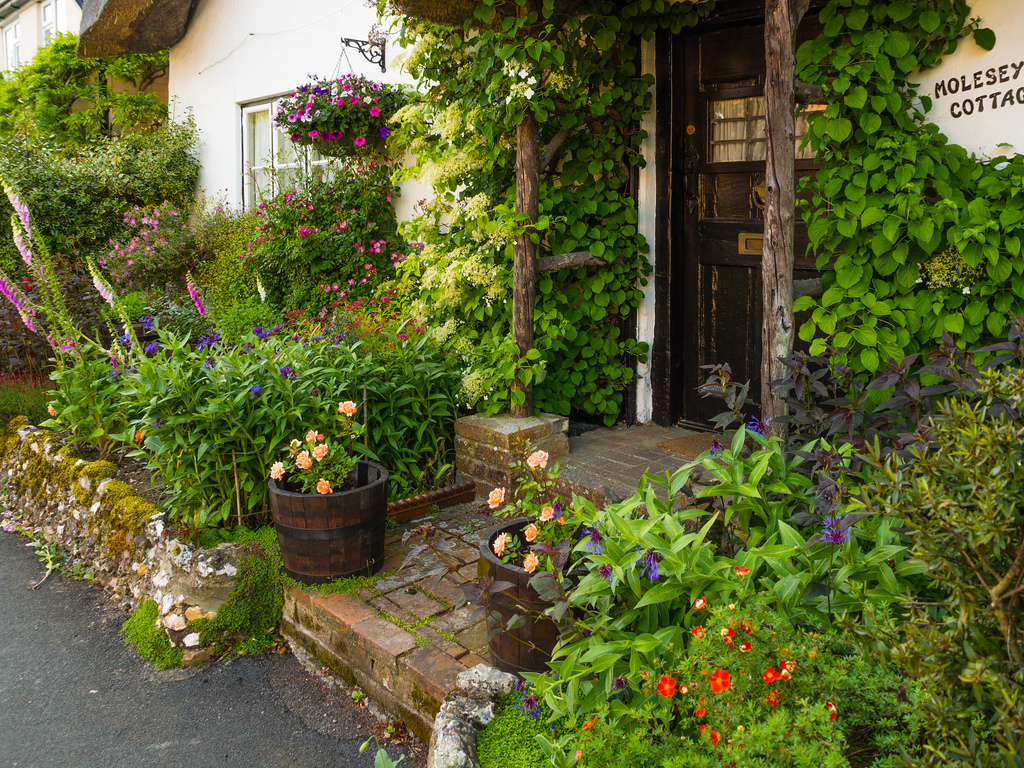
(780, 22)
(524, 265)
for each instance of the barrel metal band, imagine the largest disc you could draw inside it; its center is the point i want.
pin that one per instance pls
(318, 534)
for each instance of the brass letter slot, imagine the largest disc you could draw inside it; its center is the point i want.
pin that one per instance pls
(751, 243)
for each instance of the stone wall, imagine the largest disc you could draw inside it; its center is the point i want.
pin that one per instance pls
(107, 530)
(485, 445)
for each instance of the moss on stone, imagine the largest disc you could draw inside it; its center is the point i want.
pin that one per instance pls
(509, 740)
(145, 634)
(9, 438)
(424, 702)
(95, 472)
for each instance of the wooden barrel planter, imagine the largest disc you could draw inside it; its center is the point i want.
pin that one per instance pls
(507, 650)
(332, 536)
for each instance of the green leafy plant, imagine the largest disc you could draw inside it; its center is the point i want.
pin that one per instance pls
(509, 740)
(891, 194)
(575, 74)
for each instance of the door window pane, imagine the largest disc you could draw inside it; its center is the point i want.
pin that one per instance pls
(737, 130)
(12, 45)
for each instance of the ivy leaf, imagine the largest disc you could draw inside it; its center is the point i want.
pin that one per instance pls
(985, 38)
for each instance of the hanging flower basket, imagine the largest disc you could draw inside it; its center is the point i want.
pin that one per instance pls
(343, 117)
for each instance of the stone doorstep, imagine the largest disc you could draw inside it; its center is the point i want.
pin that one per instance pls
(351, 637)
(504, 431)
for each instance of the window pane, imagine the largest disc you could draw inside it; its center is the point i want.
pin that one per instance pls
(258, 129)
(737, 130)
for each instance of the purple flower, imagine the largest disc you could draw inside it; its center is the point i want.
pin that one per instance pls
(147, 323)
(209, 363)
(836, 530)
(195, 296)
(385, 132)
(520, 684)
(157, 422)
(648, 563)
(255, 389)
(593, 537)
(557, 506)
(606, 571)
(531, 708)
(150, 349)
(287, 372)
(757, 425)
(717, 447)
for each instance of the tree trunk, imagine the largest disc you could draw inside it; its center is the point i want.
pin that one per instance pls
(524, 265)
(781, 19)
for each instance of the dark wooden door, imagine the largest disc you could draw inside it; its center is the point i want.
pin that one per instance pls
(718, 202)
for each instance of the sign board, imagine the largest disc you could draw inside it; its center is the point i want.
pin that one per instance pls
(978, 95)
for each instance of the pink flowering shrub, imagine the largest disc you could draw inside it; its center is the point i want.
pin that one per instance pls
(327, 243)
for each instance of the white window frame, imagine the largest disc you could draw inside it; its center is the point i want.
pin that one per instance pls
(277, 142)
(10, 33)
(53, 26)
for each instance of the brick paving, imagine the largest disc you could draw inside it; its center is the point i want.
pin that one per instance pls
(405, 638)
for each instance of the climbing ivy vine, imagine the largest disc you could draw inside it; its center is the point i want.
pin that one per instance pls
(579, 74)
(922, 238)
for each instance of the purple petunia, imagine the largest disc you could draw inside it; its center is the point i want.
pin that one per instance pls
(648, 563)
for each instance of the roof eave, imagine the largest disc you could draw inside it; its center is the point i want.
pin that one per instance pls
(114, 27)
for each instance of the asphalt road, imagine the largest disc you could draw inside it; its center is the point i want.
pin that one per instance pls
(74, 695)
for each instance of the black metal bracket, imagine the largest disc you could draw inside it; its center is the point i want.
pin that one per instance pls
(372, 51)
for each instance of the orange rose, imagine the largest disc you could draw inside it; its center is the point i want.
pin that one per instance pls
(323, 486)
(530, 563)
(500, 543)
(277, 471)
(546, 514)
(303, 460)
(51, 410)
(320, 452)
(496, 497)
(348, 408)
(537, 459)
(531, 532)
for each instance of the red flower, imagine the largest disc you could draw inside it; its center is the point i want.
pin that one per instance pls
(589, 724)
(831, 710)
(715, 737)
(719, 681)
(745, 646)
(741, 571)
(666, 686)
(699, 712)
(727, 632)
(770, 675)
(698, 632)
(703, 728)
(773, 697)
(748, 625)
(788, 666)
(699, 603)
(138, 435)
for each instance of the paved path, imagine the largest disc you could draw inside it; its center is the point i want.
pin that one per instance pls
(73, 695)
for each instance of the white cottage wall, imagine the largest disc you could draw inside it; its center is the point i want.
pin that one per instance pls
(646, 226)
(241, 51)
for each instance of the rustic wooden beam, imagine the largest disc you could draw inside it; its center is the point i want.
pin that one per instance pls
(805, 93)
(524, 280)
(551, 150)
(568, 260)
(781, 18)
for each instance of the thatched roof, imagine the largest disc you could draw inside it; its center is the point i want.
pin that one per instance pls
(112, 27)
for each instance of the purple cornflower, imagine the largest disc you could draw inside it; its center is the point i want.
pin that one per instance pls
(147, 323)
(531, 708)
(208, 363)
(557, 506)
(648, 563)
(520, 684)
(150, 349)
(157, 422)
(836, 530)
(125, 339)
(717, 447)
(607, 572)
(758, 425)
(593, 539)
(287, 372)
(255, 389)
(619, 684)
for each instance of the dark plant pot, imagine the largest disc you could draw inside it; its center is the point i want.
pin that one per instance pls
(508, 651)
(331, 536)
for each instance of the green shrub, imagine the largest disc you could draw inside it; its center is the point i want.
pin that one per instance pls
(203, 411)
(79, 199)
(961, 499)
(144, 633)
(335, 229)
